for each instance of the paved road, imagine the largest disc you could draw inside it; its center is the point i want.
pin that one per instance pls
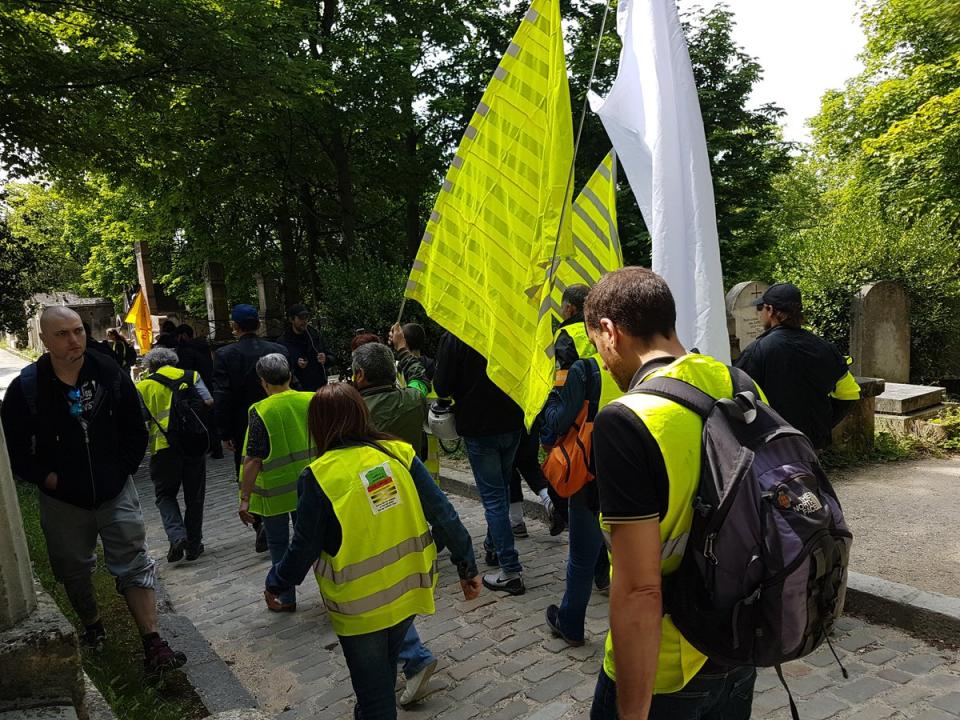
(10, 366)
(496, 658)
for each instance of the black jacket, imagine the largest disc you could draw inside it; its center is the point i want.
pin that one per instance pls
(305, 345)
(235, 383)
(195, 355)
(797, 370)
(53, 441)
(481, 408)
(565, 351)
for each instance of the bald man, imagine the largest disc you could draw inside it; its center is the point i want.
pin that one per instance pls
(74, 429)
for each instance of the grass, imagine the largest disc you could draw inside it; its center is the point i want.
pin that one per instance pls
(117, 670)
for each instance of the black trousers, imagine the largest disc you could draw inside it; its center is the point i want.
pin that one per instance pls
(170, 471)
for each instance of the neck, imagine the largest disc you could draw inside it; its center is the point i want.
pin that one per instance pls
(276, 389)
(67, 370)
(660, 347)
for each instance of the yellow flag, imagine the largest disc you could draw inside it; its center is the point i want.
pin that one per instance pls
(480, 271)
(139, 317)
(596, 244)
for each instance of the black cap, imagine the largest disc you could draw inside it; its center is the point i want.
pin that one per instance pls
(780, 296)
(297, 310)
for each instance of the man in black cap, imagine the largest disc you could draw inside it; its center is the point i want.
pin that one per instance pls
(804, 377)
(305, 348)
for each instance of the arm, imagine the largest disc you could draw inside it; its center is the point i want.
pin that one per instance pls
(844, 397)
(413, 371)
(565, 350)
(255, 448)
(18, 430)
(564, 404)
(221, 395)
(202, 389)
(635, 614)
(131, 428)
(314, 513)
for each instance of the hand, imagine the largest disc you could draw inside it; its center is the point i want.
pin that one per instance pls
(471, 588)
(245, 515)
(301, 363)
(396, 337)
(50, 482)
(228, 445)
(322, 358)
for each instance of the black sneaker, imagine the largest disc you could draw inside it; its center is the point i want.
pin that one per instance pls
(512, 585)
(520, 530)
(490, 557)
(603, 585)
(93, 636)
(553, 620)
(175, 553)
(261, 545)
(558, 523)
(194, 551)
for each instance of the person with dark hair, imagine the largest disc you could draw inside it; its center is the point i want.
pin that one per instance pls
(168, 327)
(570, 339)
(804, 377)
(369, 536)
(194, 353)
(362, 338)
(97, 345)
(236, 386)
(306, 348)
(415, 339)
(123, 351)
(643, 446)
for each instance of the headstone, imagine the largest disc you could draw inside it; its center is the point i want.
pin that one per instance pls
(145, 273)
(218, 312)
(854, 435)
(17, 596)
(746, 324)
(271, 310)
(880, 332)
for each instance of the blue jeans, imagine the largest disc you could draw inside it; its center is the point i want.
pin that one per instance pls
(491, 459)
(372, 661)
(413, 653)
(277, 528)
(711, 695)
(583, 564)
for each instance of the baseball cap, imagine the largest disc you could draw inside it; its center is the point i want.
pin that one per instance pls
(780, 296)
(243, 312)
(297, 310)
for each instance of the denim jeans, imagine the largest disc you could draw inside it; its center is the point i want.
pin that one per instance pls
(711, 695)
(583, 565)
(372, 661)
(491, 459)
(277, 528)
(413, 653)
(169, 471)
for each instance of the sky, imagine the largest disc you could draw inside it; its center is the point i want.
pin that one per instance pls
(805, 47)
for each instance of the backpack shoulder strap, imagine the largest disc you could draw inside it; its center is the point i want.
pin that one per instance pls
(680, 392)
(172, 384)
(30, 387)
(741, 381)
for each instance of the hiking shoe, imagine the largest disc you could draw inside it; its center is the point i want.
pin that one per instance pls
(93, 636)
(158, 657)
(261, 544)
(558, 523)
(520, 530)
(175, 553)
(194, 551)
(491, 559)
(509, 583)
(274, 604)
(553, 620)
(416, 688)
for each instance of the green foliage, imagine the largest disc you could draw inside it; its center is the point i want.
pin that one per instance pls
(949, 420)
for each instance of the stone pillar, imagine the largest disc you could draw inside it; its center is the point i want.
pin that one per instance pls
(218, 312)
(141, 249)
(272, 313)
(743, 314)
(880, 332)
(17, 597)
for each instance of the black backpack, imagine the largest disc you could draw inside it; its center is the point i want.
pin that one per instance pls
(764, 572)
(187, 428)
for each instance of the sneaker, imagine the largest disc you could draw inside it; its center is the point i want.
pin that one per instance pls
(553, 620)
(159, 658)
(603, 586)
(490, 557)
(509, 584)
(275, 605)
(175, 553)
(416, 688)
(520, 530)
(558, 523)
(261, 545)
(194, 551)
(93, 636)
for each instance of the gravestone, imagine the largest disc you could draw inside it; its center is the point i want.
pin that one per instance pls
(271, 310)
(218, 313)
(880, 332)
(746, 324)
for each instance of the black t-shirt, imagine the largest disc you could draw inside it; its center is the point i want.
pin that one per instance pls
(631, 473)
(79, 398)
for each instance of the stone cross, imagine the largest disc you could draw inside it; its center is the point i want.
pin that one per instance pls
(880, 332)
(17, 596)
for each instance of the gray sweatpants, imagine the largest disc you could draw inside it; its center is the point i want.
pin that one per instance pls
(71, 534)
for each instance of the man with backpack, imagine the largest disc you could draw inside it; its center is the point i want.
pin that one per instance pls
(175, 403)
(73, 423)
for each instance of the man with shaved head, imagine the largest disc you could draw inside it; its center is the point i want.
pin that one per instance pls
(74, 429)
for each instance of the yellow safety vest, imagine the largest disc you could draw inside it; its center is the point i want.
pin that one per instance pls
(285, 417)
(386, 567)
(158, 399)
(677, 431)
(581, 341)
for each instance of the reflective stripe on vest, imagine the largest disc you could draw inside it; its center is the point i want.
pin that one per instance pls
(284, 415)
(677, 431)
(385, 568)
(581, 341)
(158, 398)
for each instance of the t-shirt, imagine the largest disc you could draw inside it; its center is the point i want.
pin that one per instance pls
(631, 474)
(79, 398)
(258, 440)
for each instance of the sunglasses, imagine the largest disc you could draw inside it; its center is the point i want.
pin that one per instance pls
(76, 404)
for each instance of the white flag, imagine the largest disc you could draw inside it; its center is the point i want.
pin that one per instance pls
(653, 119)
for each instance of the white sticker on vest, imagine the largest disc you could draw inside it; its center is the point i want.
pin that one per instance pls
(381, 488)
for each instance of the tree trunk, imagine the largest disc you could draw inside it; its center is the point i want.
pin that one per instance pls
(289, 262)
(345, 193)
(311, 231)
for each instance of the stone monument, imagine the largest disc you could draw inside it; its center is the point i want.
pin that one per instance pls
(746, 324)
(17, 597)
(272, 315)
(880, 332)
(218, 312)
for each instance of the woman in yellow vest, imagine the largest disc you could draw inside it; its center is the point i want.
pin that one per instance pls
(366, 506)
(276, 449)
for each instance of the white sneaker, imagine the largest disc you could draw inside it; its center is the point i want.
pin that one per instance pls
(416, 688)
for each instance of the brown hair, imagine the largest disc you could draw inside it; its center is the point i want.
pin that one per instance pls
(338, 416)
(790, 316)
(636, 299)
(363, 339)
